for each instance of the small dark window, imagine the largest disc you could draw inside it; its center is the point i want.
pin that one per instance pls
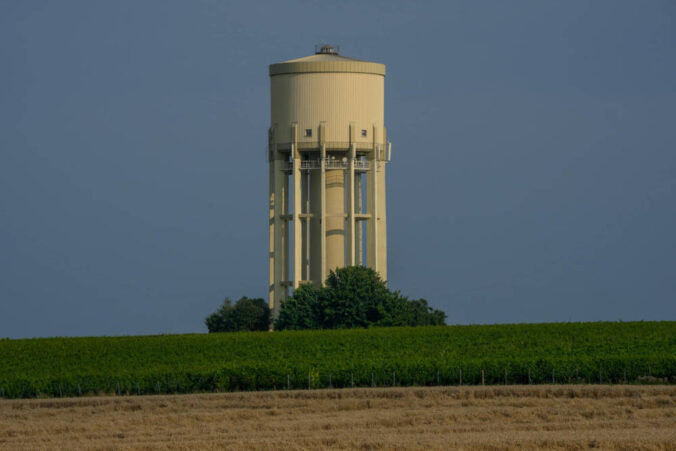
(308, 133)
(364, 133)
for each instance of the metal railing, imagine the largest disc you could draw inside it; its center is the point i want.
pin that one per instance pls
(336, 164)
(329, 164)
(310, 164)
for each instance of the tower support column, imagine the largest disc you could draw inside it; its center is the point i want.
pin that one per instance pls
(359, 237)
(372, 205)
(297, 204)
(279, 246)
(351, 248)
(322, 200)
(305, 223)
(381, 220)
(272, 224)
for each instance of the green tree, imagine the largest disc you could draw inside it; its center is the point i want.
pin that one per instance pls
(354, 296)
(245, 315)
(418, 313)
(302, 310)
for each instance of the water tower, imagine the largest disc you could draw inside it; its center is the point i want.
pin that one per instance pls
(327, 151)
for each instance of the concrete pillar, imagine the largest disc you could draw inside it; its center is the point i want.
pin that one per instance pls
(279, 230)
(316, 226)
(285, 238)
(381, 220)
(359, 224)
(318, 221)
(305, 225)
(297, 226)
(324, 271)
(351, 230)
(380, 244)
(272, 149)
(372, 205)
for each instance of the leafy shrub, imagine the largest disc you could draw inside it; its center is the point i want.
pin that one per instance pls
(246, 315)
(354, 296)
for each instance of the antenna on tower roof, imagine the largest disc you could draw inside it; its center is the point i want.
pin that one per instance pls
(326, 49)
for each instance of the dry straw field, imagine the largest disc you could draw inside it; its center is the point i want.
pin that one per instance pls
(619, 417)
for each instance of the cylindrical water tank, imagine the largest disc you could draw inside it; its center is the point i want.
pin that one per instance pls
(327, 87)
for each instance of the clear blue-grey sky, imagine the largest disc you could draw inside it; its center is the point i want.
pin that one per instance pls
(533, 175)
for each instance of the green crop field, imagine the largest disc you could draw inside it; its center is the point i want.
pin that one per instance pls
(513, 354)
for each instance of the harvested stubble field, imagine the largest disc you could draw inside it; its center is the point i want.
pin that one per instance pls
(554, 416)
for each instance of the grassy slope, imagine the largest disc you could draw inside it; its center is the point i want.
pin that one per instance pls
(251, 360)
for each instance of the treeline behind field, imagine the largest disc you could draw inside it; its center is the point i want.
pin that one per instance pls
(445, 355)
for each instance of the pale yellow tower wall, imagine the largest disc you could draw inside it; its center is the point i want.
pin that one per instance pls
(335, 98)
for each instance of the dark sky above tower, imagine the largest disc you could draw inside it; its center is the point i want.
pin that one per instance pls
(533, 175)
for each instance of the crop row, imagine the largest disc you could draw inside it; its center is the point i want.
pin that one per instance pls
(421, 373)
(509, 354)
